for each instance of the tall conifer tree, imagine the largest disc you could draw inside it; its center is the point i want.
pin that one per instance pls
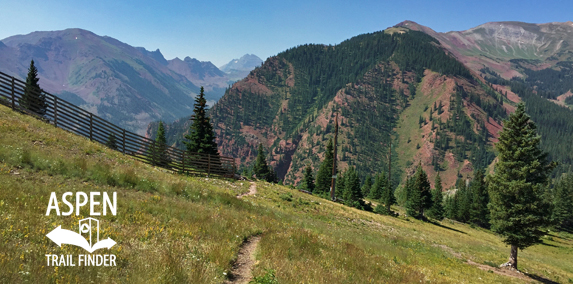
(201, 138)
(261, 169)
(324, 175)
(308, 179)
(160, 147)
(33, 99)
(479, 213)
(420, 196)
(437, 209)
(563, 203)
(518, 209)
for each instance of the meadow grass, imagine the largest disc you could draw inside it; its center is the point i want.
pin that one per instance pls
(171, 228)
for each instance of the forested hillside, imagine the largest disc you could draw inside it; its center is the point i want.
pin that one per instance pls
(289, 104)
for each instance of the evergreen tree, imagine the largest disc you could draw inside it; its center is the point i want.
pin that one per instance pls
(518, 210)
(33, 99)
(159, 148)
(367, 186)
(437, 209)
(111, 142)
(479, 213)
(272, 176)
(324, 175)
(341, 183)
(563, 203)
(352, 194)
(388, 197)
(308, 179)
(377, 189)
(420, 196)
(261, 169)
(451, 207)
(463, 199)
(201, 138)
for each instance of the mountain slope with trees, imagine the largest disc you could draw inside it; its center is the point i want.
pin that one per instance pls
(288, 104)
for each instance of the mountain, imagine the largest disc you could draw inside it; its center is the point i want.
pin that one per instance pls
(392, 87)
(201, 73)
(527, 62)
(539, 54)
(126, 85)
(239, 68)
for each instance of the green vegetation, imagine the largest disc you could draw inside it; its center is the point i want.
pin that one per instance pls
(518, 209)
(324, 175)
(437, 209)
(419, 196)
(554, 124)
(563, 203)
(159, 149)
(33, 99)
(261, 170)
(308, 180)
(201, 138)
(177, 229)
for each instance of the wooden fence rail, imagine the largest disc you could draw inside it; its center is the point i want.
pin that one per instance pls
(69, 117)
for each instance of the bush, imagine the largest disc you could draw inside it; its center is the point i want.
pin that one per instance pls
(268, 278)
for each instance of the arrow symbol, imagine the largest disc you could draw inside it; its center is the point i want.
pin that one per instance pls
(62, 236)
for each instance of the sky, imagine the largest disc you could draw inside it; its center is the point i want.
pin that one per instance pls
(219, 31)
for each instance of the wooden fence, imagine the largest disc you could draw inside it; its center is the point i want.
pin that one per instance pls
(67, 116)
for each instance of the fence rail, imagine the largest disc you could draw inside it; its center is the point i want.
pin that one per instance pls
(67, 116)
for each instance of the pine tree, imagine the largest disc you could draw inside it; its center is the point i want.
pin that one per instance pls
(111, 142)
(518, 210)
(201, 138)
(159, 148)
(33, 99)
(352, 194)
(563, 203)
(463, 199)
(377, 189)
(367, 186)
(479, 213)
(437, 209)
(388, 197)
(308, 179)
(261, 169)
(324, 175)
(420, 196)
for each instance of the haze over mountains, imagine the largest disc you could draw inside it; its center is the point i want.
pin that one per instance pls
(238, 69)
(129, 86)
(401, 87)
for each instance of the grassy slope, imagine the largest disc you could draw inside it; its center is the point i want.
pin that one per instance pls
(175, 229)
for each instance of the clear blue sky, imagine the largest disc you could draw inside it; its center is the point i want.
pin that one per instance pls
(219, 31)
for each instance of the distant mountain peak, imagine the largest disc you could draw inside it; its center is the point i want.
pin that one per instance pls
(247, 62)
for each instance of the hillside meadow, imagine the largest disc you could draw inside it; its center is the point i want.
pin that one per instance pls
(171, 228)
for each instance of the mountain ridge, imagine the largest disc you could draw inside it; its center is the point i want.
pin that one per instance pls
(127, 85)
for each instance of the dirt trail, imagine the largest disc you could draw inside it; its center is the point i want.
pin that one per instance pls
(241, 273)
(252, 190)
(498, 270)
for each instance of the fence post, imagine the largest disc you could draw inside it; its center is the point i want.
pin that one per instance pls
(56, 111)
(208, 164)
(123, 141)
(13, 94)
(91, 126)
(183, 160)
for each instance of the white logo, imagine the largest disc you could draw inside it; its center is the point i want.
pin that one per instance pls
(62, 236)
